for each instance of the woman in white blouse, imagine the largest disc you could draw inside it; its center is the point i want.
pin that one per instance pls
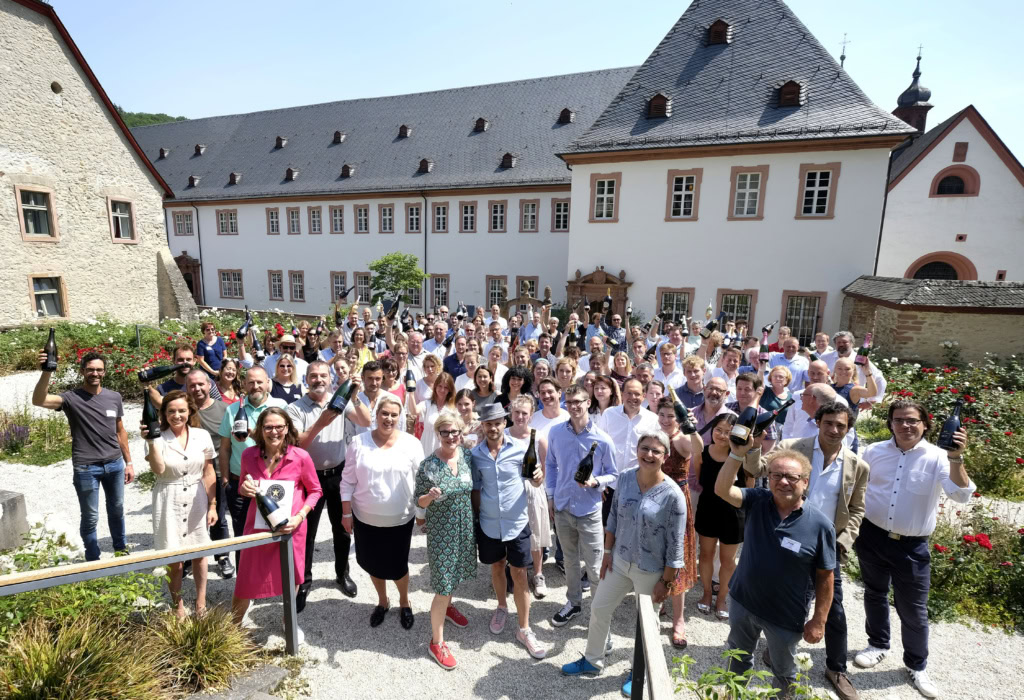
(377, 488)
(184, 500)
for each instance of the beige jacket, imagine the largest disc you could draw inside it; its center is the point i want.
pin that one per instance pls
(849, 508)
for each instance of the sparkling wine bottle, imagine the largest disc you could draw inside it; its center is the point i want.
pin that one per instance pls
(246, 325)
(586, 467)
(276, 518)
(151, 374)
(342, 396)
(530, 460)
(50, 364)
(765, 419)
(240, 426)
(410, 382)
(764, 355)
(949, 427)
(150, 417)
(257, 347)
(682, 415)
(711, 326)
(608, 300)
(744, 426)
(767, 330)
(862, 353)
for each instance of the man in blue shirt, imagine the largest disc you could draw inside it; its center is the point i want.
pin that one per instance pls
(503, 530)
(575, 508)
(455, 364)
(788, 542)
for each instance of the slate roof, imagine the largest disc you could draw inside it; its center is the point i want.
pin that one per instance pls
(522, 115)
(944, 293)
(726, 93)
(904, 157)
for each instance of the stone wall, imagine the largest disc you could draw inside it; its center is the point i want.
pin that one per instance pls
(175, 299)
(918, 334)
(58, 135)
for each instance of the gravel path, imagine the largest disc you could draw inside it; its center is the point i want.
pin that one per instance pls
(346, 658)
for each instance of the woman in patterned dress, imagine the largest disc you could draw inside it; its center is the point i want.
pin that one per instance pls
(677, 468)
(443, 486)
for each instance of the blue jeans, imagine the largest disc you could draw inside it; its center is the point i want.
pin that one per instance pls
(87, 479)
(744, 629)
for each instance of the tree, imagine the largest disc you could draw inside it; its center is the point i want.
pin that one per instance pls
(133, 119)
(395, 274)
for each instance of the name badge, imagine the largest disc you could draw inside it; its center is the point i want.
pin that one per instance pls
(791, 544)
(111, 413)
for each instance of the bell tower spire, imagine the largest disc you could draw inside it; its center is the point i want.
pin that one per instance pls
(912, 105)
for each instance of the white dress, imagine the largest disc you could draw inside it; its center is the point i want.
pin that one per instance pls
(180, 504)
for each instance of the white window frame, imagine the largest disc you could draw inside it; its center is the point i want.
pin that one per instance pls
(337, 220)
(362, 219)
(530, 210)
(387, 219)
(274, 221)
(604, 199)
(276, 285)
(227, 223)
(684, 189)
(731, 301)
(816, 194)
(316, 220)
(439, 289)
(38, 295)
(413, 222)
(296, 285)
(441, 218)
(468, 217)
(230, 281)
(797, 323)
(676, 308)
(363, 289)
(294, 222)
(337, 289)
(747, 197)
(183, 223)
(121, 220)
(498, 216)
(494, 285)
(415, 296)
(561, 215)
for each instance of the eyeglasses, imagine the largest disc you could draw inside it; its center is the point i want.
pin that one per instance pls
(449, 433)
(574, 403)
(909, 422)
(287, 347)
(791, 478)
(275, 428)
(650, 451)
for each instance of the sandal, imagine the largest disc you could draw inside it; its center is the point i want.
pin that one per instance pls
(722, 614)
(678, 642)
(664, 611)
(704, 608)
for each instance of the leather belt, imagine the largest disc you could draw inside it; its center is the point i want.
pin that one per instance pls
(333, 471)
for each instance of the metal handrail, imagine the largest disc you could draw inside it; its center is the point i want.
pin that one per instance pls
(40, 579)
(649, 665)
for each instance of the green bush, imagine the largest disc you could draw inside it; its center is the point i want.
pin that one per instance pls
(717, 682)
(31, 439)
(201, 651)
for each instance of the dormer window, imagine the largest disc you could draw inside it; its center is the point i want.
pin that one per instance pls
(789, 94)
(193, 180)
(425, 166)
(200, 148)
(281, 142)
(164, 152)
(348, 170)
(508, 161)
(566, 116)
(659, 106)
(720, 32)
(234, 178)
(481, 125)
(291, 173)
(404, 131)
(339, 136)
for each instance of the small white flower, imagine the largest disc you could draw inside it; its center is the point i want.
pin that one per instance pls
(956, 342)
(917, 365)
(803, 661)
(160, 571)
(894, 360)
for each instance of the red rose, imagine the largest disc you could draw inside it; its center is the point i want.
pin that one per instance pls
(968, 539)
(931, 416)
(995, 517)
(1020, 531)
(969, 399)
(976, 494)
(986, 544)
(232, 335)
(994, 413)
(1006, 563)
(954, 391)
(940, 548)
(939, 389)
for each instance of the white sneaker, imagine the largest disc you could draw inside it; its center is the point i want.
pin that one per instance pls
(528, 639)
(870, 657)
(540, 586)
(923, 683)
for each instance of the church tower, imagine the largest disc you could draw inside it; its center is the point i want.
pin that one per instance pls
(912, 106)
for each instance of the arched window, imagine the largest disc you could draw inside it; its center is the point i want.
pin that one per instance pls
(936, 271)
(951, 184)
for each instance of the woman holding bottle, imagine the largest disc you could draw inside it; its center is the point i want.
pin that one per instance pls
(184, 494)
(444, 482)
(276, 456)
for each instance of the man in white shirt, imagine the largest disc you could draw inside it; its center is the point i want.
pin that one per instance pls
(908, 474)
(495, 317)
(627, 422)
(811, 399)
(715, 395)
(416, 352)
(465, 380)
(728, 369)
(496, 339)
(790, 358)
(351, 323)
(675, 339)
(844, 341)
(435, 345)
(287, 346)
(693, 339)
(544, 350)
(595, 344)
(668, 372)
(821, 346)
(552, 413)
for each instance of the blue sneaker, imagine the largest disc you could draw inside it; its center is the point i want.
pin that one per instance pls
(580, 668)
(627, 685)
(585, 582)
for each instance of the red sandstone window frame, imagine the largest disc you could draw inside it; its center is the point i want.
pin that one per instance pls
(522, 216)
(270, 227)
(189, 222)
(381, 206)
(369, 285)
(615, 194)
(241, 282)
(270, 285)
(492, 205)
(487, 287)
(319, 210)
(335, 298)
(365, 209)
(447, 217)
(752, 293)
(220, 232)
(338, 209)
(762, 190)
(462, 216)
(970, 176)
(434, 302)
(51, 210)
(822, 299)
(288, 211)
(697, 174)
(134, 240)
(419, 217)
(555, 201)
(830, 196)
(659, 298)
(302, 286)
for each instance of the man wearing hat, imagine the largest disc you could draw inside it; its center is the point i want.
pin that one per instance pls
(503, 529)
(286, 346)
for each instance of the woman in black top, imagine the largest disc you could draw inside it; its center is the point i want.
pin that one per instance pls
(516, 382)
(285, 385)
(717, 522)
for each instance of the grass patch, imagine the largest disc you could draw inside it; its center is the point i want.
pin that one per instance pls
(30, 439)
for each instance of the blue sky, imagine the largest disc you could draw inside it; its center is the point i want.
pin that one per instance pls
(201, 59)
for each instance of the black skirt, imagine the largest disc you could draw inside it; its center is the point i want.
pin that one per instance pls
(383, 552)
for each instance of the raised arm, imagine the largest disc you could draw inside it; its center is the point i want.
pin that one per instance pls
(725, 484)
(40, 396)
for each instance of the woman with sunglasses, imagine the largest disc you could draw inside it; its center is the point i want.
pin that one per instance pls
(444, 483)
(286, 385)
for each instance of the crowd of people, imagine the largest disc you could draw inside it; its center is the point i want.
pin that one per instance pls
(511, 441)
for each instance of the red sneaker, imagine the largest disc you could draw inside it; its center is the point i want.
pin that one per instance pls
(442, 655)
(453, 616)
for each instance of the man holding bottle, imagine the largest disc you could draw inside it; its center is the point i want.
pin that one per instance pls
(184, 357)
(844, 341)
(99, 448)
(575, 507)
(908, 474)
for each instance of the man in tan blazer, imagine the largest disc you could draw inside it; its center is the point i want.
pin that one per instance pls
(838, 482)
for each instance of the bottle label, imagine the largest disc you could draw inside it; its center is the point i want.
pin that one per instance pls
(240, 426)
(763, 357)
(276, 518)
(740, 432)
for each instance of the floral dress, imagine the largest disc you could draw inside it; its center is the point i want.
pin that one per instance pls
(678, 469)
(451, 545)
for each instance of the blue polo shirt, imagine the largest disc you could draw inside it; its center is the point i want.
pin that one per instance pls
(787, 553)
(500, 483)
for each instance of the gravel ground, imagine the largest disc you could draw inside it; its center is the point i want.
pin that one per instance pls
(347, 658)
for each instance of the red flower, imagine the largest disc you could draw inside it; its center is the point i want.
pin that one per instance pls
(1020, 531)
(968, 539)
(983, 541)
(952, 558)
(1006, 563)
(1008, 432)
(954, 391)
(940, 548)
(931, 416)
(976, 494)
(939, 389)
(995, 517)
(994, 413)
(232, 335)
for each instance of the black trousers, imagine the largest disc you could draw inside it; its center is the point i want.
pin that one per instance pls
(835, 624)
(238, 508)
(330, 481)
(906, 564)
(220, 529)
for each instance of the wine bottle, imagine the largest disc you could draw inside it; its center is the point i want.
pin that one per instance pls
(586, 303)
(744, 426)
(530, 460)
(50, 364)
(682, 415)
(651, 351)
(577, 304)
(244, 328)
(338, 320)
(295, 330)
(711, 326)
(150, 417)
(153, 373)
(410, 382)
(726, 341)
(812, 354)
(629, 309)
(862, 353)
(394, 310)
(586, 467)
(342, 396)
(767, 330)
(708, 312)
(271, 511)
(949, 427)
(764, 355)
(240, 427)
(765, 419)
(257, 347)
(608, 300)
(449, 339)
(319, 328)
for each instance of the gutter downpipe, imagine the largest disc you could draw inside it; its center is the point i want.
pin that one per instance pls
(424, 219)
(199, 240)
